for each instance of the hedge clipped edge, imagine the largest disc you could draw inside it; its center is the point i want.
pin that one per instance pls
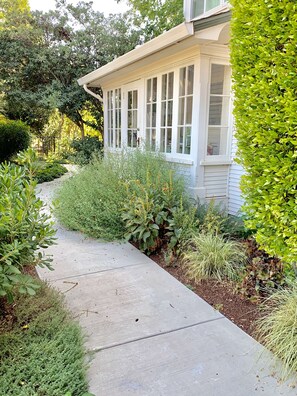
(264, 61)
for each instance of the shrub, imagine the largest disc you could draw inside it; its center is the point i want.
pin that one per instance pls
(210, 256)
(264, 62)
(149, 209)
(86, 149)
(277, 329)
(103, 188)
(14, 137)
(213, 218)
(46, 172)
(23, 230)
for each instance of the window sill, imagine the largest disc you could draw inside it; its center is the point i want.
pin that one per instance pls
(215, 163)
(179, 160)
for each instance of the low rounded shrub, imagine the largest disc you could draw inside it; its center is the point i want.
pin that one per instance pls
(14, 137)
(46, 172)
(210, 256)
(278, 328)
(86, 149)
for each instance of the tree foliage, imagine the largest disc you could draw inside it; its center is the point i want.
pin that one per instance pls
(264, 42)
(43, 54)
(156, 16)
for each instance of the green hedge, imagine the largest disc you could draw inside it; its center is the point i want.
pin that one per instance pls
(14, 137)
(48, 171)
(264, 61)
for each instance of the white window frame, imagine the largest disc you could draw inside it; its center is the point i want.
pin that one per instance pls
(114, 111)
(174, 155)
(205, 13)
(227, 156)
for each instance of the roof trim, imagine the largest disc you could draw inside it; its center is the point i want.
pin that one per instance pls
(211, 21)
(179, 33)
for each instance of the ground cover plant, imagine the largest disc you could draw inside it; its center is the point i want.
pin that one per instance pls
(14, 137)
(24, 229)
(41, 347)
(48, 171)
(94, 201)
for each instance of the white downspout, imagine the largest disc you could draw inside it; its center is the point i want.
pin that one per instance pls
(92, 93)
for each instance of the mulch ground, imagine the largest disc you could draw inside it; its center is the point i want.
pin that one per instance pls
(222, 296)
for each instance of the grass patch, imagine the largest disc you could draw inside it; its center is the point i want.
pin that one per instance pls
(278, 328)
(93, 200)
(42, 352)
(209, 256)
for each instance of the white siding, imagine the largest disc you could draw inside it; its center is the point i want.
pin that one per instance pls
(236, 171)
(216, 181)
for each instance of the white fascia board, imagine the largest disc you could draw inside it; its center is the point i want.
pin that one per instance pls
(178, 33)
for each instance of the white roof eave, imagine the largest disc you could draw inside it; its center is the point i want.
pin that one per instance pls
(179, 33)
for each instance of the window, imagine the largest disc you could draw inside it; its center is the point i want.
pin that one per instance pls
(151, 112)
(185, 109)
(202, 6)
(219, 105)
(114, 118)
(166, 112)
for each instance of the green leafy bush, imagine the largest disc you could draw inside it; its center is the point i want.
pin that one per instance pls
(23, 230)
(104, 188)
(264, 62)
(14, 137)
(210, 256)
(86, 149)
(150, 207)
(277, 329)
(48, 171)
(42, 350)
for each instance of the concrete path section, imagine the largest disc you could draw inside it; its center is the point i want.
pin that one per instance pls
(148, 333)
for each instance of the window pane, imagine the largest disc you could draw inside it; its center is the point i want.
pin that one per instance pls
(190, 80)
(215, 110)
(148, 115)
(217, 79)
(164, 86)
(180, 140)
(210, 4)
(188, 140)
(181, 111)
(170, 85)
(149, 91)
(169, 113)
(198, 7)
(135, 99)
(154, 114)
(182, 81)
(189, 110)
(154, 90)
(163, 114)
(162, 143)
(153, 142)
(169, 139)
(217, 140)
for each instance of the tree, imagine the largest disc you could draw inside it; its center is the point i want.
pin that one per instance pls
(264, 62)
(42, 57)
(156, 16)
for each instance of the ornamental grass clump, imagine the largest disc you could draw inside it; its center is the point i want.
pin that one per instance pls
(210, 256)
(278, 329)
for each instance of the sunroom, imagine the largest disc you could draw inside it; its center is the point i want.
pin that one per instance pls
(174, 94)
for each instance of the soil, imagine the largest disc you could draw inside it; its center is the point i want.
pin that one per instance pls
(221, 295)
(7, 314)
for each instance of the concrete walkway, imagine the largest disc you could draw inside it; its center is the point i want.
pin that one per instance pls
(151, 335)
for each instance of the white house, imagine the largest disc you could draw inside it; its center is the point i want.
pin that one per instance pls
(174, 92)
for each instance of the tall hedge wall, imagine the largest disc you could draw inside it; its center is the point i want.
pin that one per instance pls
(264, 61)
